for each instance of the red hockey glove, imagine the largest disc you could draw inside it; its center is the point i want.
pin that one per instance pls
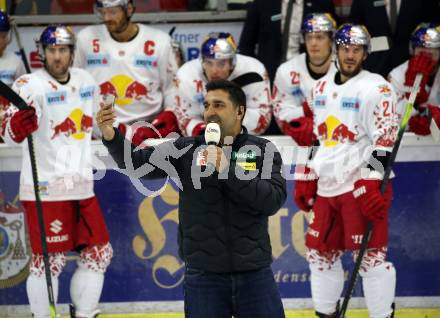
(165, 123)
(424, 64)
(306, 185)
(419, 125)
(371, 202)
(22, 124)
(301, 130)
(198, 129)
(138, 135)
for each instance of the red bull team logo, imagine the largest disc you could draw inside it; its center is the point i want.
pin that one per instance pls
(76, 125)
(126, 90)
(332, 131)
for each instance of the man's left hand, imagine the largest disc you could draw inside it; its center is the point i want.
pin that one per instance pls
(214, 155)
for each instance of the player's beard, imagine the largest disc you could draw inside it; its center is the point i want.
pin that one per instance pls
(117, 26)
(57, 70)
(350, 72)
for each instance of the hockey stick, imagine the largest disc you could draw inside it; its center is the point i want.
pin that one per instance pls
(286, 31)
(366, 236)
(16, 100)
(20, 47)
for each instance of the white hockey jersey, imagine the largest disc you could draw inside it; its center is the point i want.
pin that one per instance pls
(11, 68)
(190, 91)
(351, 121)
(62, 141)
(293, 86)
(139, 73)
(397, 79)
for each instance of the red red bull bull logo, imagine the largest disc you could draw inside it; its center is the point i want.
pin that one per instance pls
(126, 90)
(332, 131)
(76, 125)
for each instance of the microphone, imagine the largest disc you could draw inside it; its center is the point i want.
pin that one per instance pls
(212, 134)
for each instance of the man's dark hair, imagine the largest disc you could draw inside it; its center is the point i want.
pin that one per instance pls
(236, 94)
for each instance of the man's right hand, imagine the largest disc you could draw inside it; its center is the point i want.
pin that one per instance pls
(105, 119)
(22, 124)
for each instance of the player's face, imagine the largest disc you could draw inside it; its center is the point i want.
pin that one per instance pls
(318, 46)
(350, 58)
(4, 41)
(220, 109)
(58, 60)
(114, 18)
(434, 53)
(217, 69)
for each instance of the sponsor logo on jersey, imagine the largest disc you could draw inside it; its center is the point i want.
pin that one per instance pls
(250, 155)
(201, 160)
(76, 125)
(296, 91)
(7, 76)
(57, 238)
(56, 226)
(54, 98)
(143, 61)
(43, 188)
(320, 101)
(22, 81)
(385, 90)
(246, 160)
(15, 254)
(98, 60)
(126, 89)
(200, 99)
(86, 92)
(333, 132)
(350, 103)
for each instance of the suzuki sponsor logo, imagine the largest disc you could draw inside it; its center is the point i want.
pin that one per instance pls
(56, 226)
(57, 238)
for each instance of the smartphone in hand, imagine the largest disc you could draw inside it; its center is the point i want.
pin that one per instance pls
(109, 100)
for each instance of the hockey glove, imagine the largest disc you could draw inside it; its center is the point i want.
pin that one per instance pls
(371, 202)
(138, 135)
(165, 123)
(301, 130)
(419, 124)
(420, 63)
(22, 124)
(306, 186)
(198, 129)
